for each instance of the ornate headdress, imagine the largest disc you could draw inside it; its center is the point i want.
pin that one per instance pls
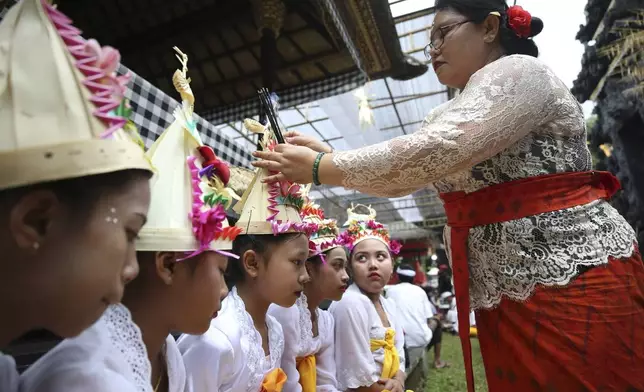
(189, 193)
(327, 235)
(270, 208)
(364, 226)
(63, 109)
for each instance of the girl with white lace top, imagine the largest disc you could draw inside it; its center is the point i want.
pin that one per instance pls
(534, 244)
(308, 359)
(242, 350)
(74, 189)
(182, 257)
(369, 340)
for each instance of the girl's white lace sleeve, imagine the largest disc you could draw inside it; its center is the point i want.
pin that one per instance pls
(501, 104)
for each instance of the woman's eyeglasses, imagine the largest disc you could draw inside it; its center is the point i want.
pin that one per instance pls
(437, 38)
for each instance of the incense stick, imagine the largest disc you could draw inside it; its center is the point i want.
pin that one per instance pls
(265, 100)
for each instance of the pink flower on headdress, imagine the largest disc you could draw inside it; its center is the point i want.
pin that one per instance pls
(313, 249)
(118, 85)
(107, 58)
(395, 247)
(206, 224)
(289, 188)
(373, 225)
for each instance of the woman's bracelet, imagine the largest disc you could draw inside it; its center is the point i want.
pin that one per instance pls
(316, 168)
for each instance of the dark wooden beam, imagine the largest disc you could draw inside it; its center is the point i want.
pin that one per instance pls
(219, 14)
(285, 66)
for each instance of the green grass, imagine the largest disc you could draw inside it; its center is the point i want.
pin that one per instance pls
(452, 379)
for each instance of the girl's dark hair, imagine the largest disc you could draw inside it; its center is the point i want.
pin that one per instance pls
(317, 260)
(260, 243)
(477, 10)
(81, 192)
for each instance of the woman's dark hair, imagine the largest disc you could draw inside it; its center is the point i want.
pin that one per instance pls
(477, 10)
(81, 192)
(261, 244)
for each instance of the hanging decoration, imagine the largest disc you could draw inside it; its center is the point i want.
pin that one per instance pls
(365, 113)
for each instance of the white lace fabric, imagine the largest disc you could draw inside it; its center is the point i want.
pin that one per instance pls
(251, 343)
(308, 344)
(108, 356)
(126, 339)
(514, 119)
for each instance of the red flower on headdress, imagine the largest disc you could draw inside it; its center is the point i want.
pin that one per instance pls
(213, 164)
(520, 21)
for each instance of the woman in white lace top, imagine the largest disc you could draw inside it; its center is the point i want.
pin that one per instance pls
(531, 236)
(308, 359)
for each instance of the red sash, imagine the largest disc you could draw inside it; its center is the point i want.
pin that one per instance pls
(505, 202)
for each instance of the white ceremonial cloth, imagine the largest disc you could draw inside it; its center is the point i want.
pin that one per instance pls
(414, 309)
(229, 357)
(356, 323)
(9, 376)
(176, 368)
(300, 342)
(109, 356)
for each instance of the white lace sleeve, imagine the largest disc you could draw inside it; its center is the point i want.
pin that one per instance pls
(289, 320)
(353, 357)
(325, 361)
(208, 359)
(501, 104)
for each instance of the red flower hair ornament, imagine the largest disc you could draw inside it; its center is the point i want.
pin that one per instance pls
(520, 21)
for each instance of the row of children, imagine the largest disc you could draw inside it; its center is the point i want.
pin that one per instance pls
(80, 220)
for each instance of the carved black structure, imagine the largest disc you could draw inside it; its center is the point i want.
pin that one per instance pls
(619, 117)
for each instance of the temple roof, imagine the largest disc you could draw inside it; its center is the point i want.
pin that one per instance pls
(324, 47)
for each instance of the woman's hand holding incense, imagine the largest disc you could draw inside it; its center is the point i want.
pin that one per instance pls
(295, 137)
(290, 162)
(295, 164)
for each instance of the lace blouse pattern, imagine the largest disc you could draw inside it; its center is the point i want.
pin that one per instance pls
(126, 339)
(108, 356)
(308, 344)
(514, 119)
(251, 342)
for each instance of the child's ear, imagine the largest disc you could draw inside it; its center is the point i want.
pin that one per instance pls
(165, 266)
(250, 261)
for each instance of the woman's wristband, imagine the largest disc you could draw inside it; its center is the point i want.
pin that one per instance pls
(316, 168)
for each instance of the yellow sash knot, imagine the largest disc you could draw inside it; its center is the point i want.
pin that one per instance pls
(391, 363)
(308, 373)
(274, 381)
